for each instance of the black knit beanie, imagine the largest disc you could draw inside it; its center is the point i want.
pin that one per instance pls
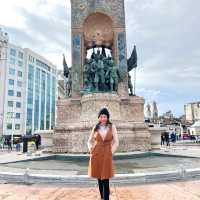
(104, 111)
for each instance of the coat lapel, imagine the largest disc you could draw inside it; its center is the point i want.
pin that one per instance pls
(107, 133)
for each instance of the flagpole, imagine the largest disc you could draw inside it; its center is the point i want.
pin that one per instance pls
(135, 70)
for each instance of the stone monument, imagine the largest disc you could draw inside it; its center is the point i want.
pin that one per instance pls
(99, 77)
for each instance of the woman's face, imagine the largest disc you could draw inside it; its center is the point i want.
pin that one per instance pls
(103, 119)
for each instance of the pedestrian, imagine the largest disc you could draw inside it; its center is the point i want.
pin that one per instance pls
(102, 144)
(37, 141)
(9, 144)
(167, 139)
(18, 147)
(162, 139)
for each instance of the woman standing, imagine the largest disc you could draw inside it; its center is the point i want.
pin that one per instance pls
(102, 144)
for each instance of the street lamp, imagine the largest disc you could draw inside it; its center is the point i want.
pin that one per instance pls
(13, 117)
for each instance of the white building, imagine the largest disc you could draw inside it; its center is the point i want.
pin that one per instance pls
(192, 111)
(3, 59)
(195, 128)
(28, 93)
(168, 115)
(151, 111)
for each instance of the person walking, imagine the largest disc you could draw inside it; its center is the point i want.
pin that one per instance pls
(167, 139)
(102, 144)
(162, 139)
(9, 143)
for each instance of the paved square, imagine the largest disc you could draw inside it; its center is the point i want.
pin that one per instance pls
(189, 190)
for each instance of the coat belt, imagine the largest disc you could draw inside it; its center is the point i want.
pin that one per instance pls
(103, 143)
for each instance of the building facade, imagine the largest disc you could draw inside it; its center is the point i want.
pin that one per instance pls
(151, 111)
(192, 111)
(3, 60)
(41, 93)
(29, 92)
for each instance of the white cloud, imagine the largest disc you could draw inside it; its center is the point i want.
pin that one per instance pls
(151, 95)
(9, 16)
(42, 25)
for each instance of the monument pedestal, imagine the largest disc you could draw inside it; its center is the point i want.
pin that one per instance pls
(77, 117)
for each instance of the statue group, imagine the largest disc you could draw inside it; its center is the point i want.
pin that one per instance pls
(68, 89)
(67, 73)
(100, 74)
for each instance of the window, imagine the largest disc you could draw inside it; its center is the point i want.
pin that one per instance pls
(20, 55)
(37, 98)
(11, 71)
(43, 65)
(12, 52)
(31, 59)
(10, 103)
(53, 71)
(29, 121)
(11, 82)
(29, 118)
(12, 61)
(19, 73)
(17, 116)
(42, 103)
(9, 126)
(19, 94)
(19, 83)
(48, 103)
(9, 115)
(10, 92)
(17, 126)
(53, 101)
(20, 63)
(18, 104)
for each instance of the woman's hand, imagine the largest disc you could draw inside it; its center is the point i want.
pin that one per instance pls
(91, 149)
(112, 150)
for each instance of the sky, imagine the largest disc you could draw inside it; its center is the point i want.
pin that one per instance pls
(166, 33)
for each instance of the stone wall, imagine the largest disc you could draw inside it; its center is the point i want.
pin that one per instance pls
(73, 139)
(68, 110)
(86, 108)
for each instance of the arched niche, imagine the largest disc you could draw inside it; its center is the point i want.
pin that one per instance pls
(98, 31)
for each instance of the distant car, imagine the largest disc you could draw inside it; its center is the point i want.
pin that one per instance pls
(192, 137)
(185, 136)
(162, 125)
(151, 125)
(147, 121)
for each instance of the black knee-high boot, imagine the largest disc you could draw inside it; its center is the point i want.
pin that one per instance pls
(106, 189)
(100, 183)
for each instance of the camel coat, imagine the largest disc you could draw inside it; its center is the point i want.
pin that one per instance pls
(101, 164)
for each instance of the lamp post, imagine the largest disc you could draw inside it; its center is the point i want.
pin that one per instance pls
(13, 117)
(10, 115)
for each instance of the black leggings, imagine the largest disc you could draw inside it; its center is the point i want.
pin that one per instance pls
(104, 188)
